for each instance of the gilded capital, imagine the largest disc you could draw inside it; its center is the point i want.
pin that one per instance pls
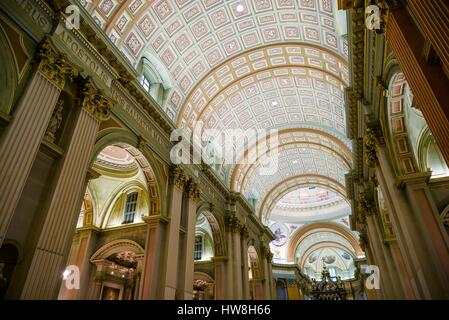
(244, 231)
(53, 65)
(232, 223)
(370, 148)
(95, 102)
(193, 191)
(177, 177)
(267, 253)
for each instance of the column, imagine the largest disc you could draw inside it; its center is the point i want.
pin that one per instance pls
(176, 187)
(267, 285)
(187, 263)
(151, 279)
(20, 140)
(244, 254)
(414, 233)
(44, 275)
(386, 280)
(98, 282)
(220, 278)
(230, 286)
(237, 259)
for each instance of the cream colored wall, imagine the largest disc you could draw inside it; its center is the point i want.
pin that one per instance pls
(109, 196)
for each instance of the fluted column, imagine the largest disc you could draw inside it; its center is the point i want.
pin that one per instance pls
(20, 140)
(66, 196)
(420, 255)
(170, 279)
(244, 255)
(187, 263)
(151, 280)
(428, 82)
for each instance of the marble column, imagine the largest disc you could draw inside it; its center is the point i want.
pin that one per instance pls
(187, 263)
(151, 279)
(170, 276)
(416, 231)
(245, 266)
(50, 254)
(20, 140)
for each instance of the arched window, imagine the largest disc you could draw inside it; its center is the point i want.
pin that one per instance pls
(154, 80)
(130, 207)
(198, 253)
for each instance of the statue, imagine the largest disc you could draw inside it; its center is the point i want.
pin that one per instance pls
(55, 121)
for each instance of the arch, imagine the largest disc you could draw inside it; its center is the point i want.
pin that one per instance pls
(299, 137)
(396, 124)
(115, 196)
(88, 210)
(216, 228)
(284, 187)
(323, 245)
(9, 72)
(152, 171)
(429, 155)
(300, 233)
(117, 246)
(289, 160)
(254, 264)
(158, 76)
(258, 60)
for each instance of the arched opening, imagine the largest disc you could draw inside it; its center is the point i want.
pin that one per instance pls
(254, 274)
(123, 189)
(204, 239)
(203, 286)
(117, 267)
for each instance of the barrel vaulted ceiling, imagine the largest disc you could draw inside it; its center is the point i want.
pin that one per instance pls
(249, 64)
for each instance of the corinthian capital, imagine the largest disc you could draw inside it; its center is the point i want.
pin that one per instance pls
(95, 102)
(370, 148)
(267, 253)
(53, 65)
(177, 177)
(193, 191)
